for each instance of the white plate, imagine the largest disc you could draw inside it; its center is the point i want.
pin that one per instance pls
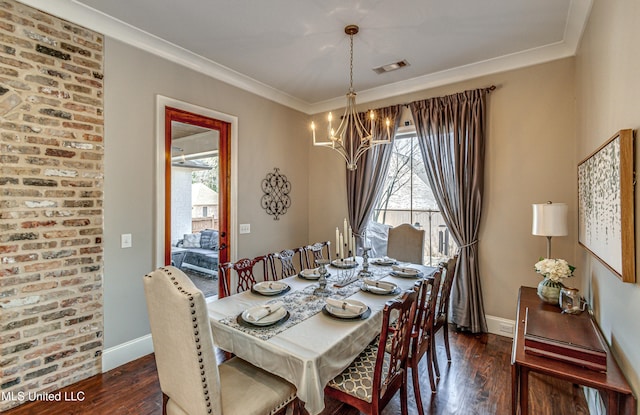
(270, 287)
(378, 290)
(339, 312)
(344, 263)
(406, 272)
(267, 320)
(309, 274)
(385, 261)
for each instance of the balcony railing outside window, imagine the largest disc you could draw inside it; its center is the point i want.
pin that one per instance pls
(439, 244)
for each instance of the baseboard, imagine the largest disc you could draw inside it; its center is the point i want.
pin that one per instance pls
(126, 352)
(500, 326)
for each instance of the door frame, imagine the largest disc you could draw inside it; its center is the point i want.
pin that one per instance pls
(161, 159)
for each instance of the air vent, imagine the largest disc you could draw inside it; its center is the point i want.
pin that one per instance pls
(391, 66)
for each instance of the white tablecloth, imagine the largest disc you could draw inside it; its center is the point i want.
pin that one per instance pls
(312, 352)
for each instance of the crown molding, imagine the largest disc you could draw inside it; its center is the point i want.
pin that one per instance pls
(93, 19)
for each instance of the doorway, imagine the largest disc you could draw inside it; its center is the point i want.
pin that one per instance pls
(196, 216)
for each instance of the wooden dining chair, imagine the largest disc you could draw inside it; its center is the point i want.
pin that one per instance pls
(441, 318)
(318, 250)
(191, 380)
(422, 334)
(375, 376)
(406, 243)
(245, 275)
(286, 258)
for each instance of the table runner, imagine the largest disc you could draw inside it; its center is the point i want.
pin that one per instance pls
(301, 305)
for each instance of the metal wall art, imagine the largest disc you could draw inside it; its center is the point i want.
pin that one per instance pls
(276, 188)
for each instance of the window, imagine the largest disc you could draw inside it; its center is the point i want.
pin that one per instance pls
(407, 198)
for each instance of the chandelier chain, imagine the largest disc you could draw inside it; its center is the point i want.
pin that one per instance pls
(351, 64)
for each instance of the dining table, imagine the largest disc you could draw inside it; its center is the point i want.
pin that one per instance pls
(309, 346)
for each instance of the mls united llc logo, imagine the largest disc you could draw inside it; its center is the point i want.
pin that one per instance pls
(50, 397)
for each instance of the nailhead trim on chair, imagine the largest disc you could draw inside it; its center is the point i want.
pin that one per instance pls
(196, 333)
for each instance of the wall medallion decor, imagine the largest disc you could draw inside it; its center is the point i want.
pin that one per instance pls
(276, 188)
(605, 205)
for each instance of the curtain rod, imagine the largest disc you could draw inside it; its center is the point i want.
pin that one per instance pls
(487, 89)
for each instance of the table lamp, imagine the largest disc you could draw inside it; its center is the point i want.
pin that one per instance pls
(549, 219)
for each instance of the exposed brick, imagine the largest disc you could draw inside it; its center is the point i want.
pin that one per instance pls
(58, 315)
(40, 372)
(45, 60)
(39, 245)
(43, 286)
(59, 355)
(42, 328)
(54, 152)
(51, 179)
(20, 323)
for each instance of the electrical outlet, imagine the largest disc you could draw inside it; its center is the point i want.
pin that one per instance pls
(125, 240)
(245, 228)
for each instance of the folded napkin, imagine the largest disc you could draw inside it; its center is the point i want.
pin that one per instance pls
(346, 305)
(270, 286)
(383, 285)
(385, 260)
(259, 312)
(405, 270)
(313, 272)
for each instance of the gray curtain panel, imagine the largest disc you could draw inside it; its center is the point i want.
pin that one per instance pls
(451, 136)
(365, 183)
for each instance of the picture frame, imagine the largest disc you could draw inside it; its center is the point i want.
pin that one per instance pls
(606, 223)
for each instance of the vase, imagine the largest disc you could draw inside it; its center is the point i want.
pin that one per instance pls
(549, 291)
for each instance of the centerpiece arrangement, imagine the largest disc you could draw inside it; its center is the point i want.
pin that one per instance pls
(554, 272)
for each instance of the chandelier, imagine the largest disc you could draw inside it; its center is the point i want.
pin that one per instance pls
(351, 139)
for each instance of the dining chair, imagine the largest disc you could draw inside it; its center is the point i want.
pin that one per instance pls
(191, 380)
(441, 318)
(245, 275)
(422, 334)
(377, 374)
(286, 259)
(406, 243)
(316, 251)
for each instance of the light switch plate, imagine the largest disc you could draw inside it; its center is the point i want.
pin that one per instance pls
(125, 240)
(245, 228)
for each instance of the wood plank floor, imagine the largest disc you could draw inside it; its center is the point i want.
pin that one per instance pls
(476, 382)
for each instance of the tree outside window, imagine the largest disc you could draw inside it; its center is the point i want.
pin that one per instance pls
(406, 197)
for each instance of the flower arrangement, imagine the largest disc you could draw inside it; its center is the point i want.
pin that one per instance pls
(554, 269)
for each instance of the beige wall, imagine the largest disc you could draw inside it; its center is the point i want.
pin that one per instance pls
(268, 137)
(530, 158)
(608, 88)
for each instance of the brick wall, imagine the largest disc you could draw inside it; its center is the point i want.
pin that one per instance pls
(51, 176)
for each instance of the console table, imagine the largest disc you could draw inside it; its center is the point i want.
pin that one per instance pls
(618, 395)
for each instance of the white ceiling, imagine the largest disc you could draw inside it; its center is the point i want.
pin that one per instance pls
(296, 53)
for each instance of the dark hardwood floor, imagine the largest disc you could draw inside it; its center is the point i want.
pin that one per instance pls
(476, 382)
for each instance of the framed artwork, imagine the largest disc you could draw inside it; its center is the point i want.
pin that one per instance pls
(606, 226)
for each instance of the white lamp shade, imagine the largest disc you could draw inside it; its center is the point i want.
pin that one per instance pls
(550, 219)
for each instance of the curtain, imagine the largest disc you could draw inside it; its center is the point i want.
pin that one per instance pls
(451, 137)
(365, 182)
